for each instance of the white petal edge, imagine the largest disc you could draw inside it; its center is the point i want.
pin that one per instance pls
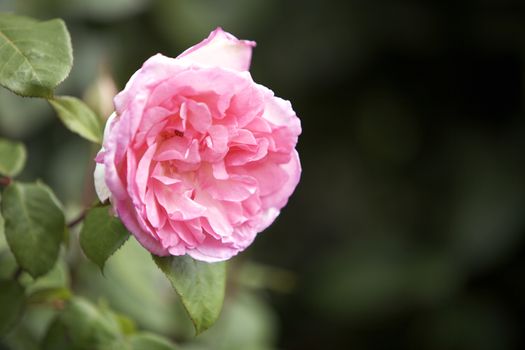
(220, 49)
(101, 188)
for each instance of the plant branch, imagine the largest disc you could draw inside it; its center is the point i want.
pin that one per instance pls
(17, 273)
(5, 180)
(78, 220)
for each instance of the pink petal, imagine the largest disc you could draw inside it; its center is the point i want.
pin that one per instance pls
(215, 220)
(252, 205)
(219, 170)
(244, 235)
(127, 214)
(111, 174)
(221, 49)
(168, 236)
(188, 232)
(167, 180)
(270, 177)
(279, 112)
(178, 148)
(247, 104)
(153, 212)
(199, 116)
(259, 125)
(234, 210)
(236, 188)
(216, 143)
(212, 250)
(177, 205)
(143, 170)
(243, 136)
(177, 250)
(241, 156)
(279, 198)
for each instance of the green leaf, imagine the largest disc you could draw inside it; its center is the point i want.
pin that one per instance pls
(34, 226)
(150, 341)
(49, 295)
(34, 56)
(56, 337)
(126, 284)
(12, 157)
(56, 278)
(200, 286)
(126, 324)
(81, 325)
(78, 117)
(102, 235)
(11, 304)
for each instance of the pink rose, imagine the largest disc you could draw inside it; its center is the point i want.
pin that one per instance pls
(198, 158)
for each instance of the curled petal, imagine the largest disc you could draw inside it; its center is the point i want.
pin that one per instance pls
(279, 198)
(279, 112)
(212, 250)
(221, 49)
(103, 192)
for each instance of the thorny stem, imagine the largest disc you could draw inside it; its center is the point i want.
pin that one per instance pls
(17, 273)
(78, 220)
(5, 181)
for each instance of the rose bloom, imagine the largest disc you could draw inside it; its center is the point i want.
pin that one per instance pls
(198, 158)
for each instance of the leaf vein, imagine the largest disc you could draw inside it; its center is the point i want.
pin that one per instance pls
(9, 41)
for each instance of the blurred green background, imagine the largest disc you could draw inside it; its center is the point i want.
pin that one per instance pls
(407, 229)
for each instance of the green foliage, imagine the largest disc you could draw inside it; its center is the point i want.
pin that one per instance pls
(82, 325)
(35, 56)
(2, 223)
(247, 322)
(49, 295)
(56, 279)
(12, 157)
(200, 286)
(56, 337)
(78, 117)
(34, 225)
(102, 10)
(150, 341)
(7, 261)
(127, 286)
(11, 303)
(101, 235)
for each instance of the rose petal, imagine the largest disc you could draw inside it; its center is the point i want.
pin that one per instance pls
(188, 232)
(179, 206)
(221, 49)
(212, 250)
(215, 220)
(219, 170)
(129, 218)
(167, 235)
(199, 116)
(279, 198)
(143, 170)
(236, 188)
(216, 143)
(103, 192)
(153, 212)
(279, 112)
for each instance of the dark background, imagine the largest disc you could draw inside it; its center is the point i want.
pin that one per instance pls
(407, 228)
